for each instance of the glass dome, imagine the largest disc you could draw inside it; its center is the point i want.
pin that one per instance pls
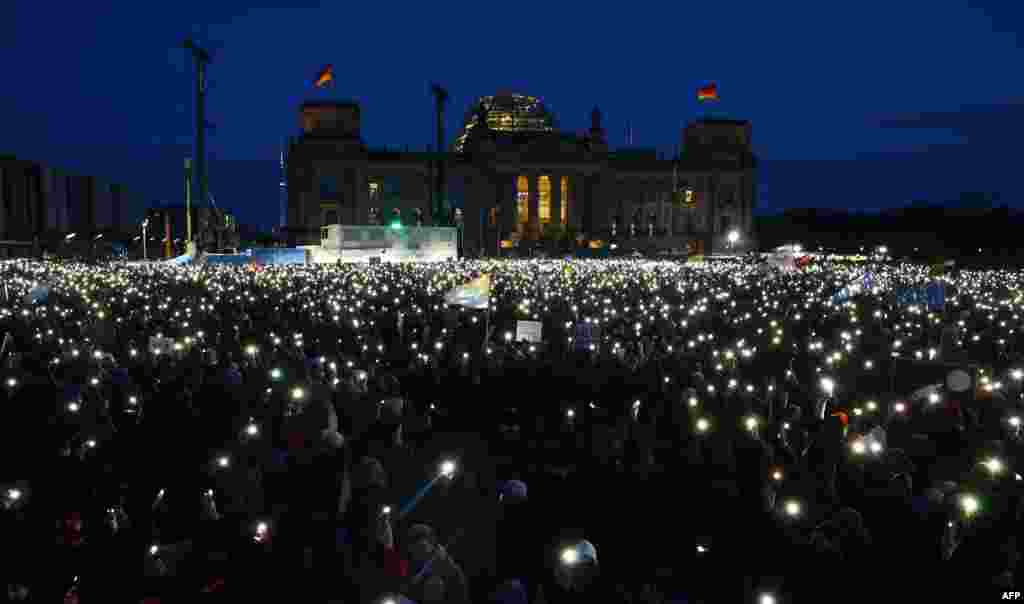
(513, 113)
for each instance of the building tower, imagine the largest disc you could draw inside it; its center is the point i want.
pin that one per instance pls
(283, 189)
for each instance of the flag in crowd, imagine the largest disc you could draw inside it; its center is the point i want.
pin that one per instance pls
(475, 294)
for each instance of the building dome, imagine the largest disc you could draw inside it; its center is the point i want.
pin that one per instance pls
(507, 113)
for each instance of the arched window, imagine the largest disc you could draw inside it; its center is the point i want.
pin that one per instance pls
(523, 199)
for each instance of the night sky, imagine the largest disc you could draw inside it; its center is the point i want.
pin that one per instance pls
(854, 104)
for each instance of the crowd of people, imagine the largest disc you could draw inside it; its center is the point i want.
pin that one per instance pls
(717, 432)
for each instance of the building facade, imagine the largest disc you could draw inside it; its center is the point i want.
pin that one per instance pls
(516, 177)
(44, 204)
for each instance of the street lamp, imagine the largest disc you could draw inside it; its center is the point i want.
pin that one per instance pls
(828, 385)
(733, 237)
(145, 242)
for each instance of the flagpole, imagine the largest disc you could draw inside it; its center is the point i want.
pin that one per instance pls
(202, 59)
(188, 205)
(487, 323)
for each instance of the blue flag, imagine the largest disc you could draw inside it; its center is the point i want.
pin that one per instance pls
(936, 296)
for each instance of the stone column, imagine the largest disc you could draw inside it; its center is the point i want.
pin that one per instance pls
(534, 222)
(507, 198)
(556, 198)
(571, 211)
(593, 199)
(675, 214)
(586, 197)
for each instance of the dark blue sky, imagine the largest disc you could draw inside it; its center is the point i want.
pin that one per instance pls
(865, 104)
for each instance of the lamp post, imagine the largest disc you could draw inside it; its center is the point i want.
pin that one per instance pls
(188, 205)
(457, 220)
(92, 246)
(734, 236)
(145, 223)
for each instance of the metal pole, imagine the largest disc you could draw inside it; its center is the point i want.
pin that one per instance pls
(440, 96)
(202, 58)
(188, 201)
(168, 244)
(439, 186)
(200, 126)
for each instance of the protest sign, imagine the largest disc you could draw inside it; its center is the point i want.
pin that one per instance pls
(586, 334)
(958, 380)
(39, 294)
(933, 296)
(528, 331)
(160, 345)
(909, 375)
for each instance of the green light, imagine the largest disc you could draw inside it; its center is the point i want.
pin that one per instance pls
(397, 225)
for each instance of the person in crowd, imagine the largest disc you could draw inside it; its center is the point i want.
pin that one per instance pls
(277, 397)
(435, 576)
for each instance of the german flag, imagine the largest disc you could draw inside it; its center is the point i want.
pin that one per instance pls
(325, 77)
(708, 92)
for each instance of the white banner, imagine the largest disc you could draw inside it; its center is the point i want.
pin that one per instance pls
(528, 331)
(159, 345)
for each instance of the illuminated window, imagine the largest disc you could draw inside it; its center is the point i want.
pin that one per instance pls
(374, 190)
(565, 200)
(544, 199)
(690, 199)
(523, 199)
